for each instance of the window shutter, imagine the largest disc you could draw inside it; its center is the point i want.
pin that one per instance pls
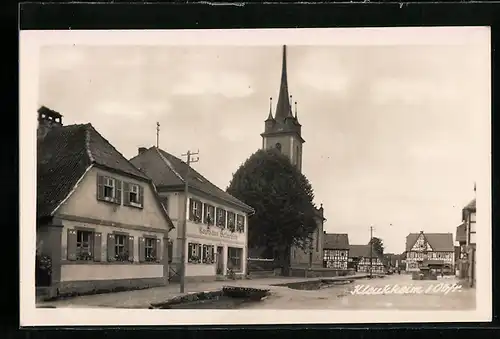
(97, 246)
(170, 251)
(118, 196)
(142, 250)
(158, 250)
(141, 195)
(100, 187)
(130, 248)
(71, 245)
(191, 202)
(198, 253)
(126, 193)
(111, 247)
(212, 253)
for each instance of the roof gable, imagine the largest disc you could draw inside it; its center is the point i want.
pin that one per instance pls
(421, 244)
(440, 242)
(62, 160)
(167, 170)
(64, 154)
(335, 241)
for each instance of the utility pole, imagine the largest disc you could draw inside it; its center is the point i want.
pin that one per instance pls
(190, 160)
(371, 250)
(157, 135)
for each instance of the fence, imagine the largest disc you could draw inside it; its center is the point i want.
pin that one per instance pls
(257, 266)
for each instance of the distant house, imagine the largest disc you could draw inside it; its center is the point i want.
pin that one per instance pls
(335, 250)
(429, 246)
(217, 225)
(99, 218)
(469, 220)
(461, 239)
(391, 259)
(363, 258)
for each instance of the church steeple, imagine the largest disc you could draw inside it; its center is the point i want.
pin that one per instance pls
(283, 108)
(270, 117)
(283, 131)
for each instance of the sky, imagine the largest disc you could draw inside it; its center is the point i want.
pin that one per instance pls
(393, 133)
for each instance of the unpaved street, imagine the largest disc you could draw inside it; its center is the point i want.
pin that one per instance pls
(401, 292)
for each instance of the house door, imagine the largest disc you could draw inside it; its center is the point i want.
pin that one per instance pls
(220, 260)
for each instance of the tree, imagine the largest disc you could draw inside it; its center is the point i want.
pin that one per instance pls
(282, 197)
(378, 246)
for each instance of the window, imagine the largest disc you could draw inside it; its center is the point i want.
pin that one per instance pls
(278, 146)
(472, 227)
(208, 254)
(473, 217)
(208, 215)
(149, 249)
(121, 250)
(329, 258)
(84, 245)
(221, 218)
(194, 253)
(109, 189)
(234, 258)
(231, 221)
(120, 247)
(240, 223)
(134, 195)
(195, 210)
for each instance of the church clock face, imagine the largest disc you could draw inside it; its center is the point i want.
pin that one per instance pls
(278, 146)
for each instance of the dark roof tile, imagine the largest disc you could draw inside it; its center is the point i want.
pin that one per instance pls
(63, 156)
(167, 170)
(441, 242)
(361, 251)
(335, 241)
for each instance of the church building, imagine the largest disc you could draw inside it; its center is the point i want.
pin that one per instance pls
(283, 132)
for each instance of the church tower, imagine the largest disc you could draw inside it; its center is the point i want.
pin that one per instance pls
(283, 131)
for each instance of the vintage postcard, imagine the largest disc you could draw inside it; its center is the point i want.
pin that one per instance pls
(296, 176)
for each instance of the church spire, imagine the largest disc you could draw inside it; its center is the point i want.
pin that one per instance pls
(270, 117)
(283, 108)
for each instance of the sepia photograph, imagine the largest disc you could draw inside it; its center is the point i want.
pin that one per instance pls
(327, 174)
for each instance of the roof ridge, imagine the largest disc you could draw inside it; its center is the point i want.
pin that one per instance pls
(168, 163)
(87, 142)
(142, 175)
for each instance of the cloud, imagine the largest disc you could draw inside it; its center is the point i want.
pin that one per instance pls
(215, 83)
(62, 57)
(323, 71)
(410, 92)
(132, 110)
(329, 83)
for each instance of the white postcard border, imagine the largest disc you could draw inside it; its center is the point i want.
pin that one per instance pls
(31, 41)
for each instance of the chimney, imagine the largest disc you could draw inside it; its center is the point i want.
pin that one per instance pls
(47, 119)
(142, 150)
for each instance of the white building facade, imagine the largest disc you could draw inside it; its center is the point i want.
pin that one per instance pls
(216, 242)
(216, 237)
